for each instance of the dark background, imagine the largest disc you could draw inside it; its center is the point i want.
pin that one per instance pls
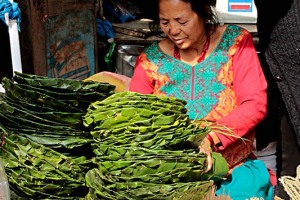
(5, 56)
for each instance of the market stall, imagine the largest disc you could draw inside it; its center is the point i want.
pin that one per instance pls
(71, 130)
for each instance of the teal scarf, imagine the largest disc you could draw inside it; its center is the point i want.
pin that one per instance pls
(12, 9)
(248, 181)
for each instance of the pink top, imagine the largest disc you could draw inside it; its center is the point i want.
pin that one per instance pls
(228, 87)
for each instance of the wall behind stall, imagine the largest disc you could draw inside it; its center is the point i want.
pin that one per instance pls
(58, 38)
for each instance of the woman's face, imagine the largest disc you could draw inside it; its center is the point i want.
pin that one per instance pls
(180, 23)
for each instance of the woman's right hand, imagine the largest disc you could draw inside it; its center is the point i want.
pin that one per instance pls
(205, 147)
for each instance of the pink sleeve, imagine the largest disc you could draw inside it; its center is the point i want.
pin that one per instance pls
(250, 87)
(140, 81)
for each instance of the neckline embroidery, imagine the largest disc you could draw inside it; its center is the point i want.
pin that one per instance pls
(176, 53)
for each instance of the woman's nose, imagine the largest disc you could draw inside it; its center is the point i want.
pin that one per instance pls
(174, 29)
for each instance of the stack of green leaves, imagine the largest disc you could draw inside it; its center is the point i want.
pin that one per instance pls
(146, 148)
(38, 172)
(105, 187)
(45, 147)
(49, 110)
(142, 120)
(156, 165)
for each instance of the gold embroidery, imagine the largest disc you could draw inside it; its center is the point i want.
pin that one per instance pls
(151, 71)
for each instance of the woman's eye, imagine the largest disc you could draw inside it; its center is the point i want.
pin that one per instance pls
(164, 23)
(183, 23)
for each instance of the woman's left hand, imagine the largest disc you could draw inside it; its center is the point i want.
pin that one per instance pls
(205, 147)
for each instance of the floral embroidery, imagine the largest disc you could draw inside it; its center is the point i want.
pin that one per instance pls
(212, 95)
(242, 149)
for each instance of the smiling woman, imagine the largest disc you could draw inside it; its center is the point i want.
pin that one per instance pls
(216, 70)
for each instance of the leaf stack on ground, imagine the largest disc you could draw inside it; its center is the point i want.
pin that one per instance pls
(38, 172)
(45, 148)
(146, 148)
(49, 110)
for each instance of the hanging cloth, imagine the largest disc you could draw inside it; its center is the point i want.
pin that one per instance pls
(13, 11)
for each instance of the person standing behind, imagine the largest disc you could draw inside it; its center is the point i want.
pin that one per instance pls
(214, 68)
(279, 40)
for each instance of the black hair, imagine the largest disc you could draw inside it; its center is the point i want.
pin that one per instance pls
(203, 8)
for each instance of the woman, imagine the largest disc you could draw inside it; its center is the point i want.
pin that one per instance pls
(216, 70)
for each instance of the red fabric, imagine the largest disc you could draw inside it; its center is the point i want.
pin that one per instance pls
(273, 177)
(140, 81)
(210, 139)
(249, 85)
(250, 88)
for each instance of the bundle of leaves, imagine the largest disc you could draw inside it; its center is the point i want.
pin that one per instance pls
(49, 110)
(38, 172)
(146, 148)
(45, 147)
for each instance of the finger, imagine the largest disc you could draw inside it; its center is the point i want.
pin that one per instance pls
(209, 159)
(209, 162)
